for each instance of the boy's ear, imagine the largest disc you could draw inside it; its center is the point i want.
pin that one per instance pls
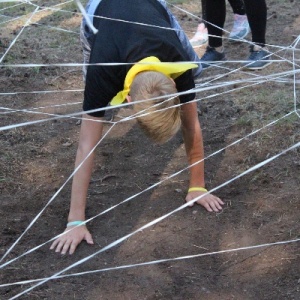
(128, 98)
(173, 81)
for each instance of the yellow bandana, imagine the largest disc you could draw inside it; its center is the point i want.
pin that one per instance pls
(172, 70)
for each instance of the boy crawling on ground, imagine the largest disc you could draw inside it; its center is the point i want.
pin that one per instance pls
(145, 35)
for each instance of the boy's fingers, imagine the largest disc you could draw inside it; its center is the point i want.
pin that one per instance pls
(191, 203)
(213, 206)
(207, 206)
(220, 201)
(218, 206)
(59, 246)
(189, 200)
(73, 247)
(89, 238)
(65, 247)
(54, 244)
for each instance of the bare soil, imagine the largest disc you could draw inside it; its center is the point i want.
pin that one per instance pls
(261, 207)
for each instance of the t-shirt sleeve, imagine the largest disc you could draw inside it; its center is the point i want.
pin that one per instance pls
(102, 84)
(185, 82)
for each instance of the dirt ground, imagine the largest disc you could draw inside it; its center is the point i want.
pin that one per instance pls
(260, 207)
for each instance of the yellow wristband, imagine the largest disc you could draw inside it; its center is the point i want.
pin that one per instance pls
(197, 189)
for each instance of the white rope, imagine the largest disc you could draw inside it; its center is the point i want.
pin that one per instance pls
(41, 92)
(154, 262)
(223, 29)
(54, 28)
(221, 85)
(295, 71)
(35, 65)
(18, 35)
(87, 19)
(41, 10)
(156, 184)
(54, 196)
(122, 239)
(10, 7)
(8, 127)
(8, 110)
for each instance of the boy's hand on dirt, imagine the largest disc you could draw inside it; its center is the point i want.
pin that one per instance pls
(210, 202)
(70, 240)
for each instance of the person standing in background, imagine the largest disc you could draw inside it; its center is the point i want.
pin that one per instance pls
(256, 15)
(239, 30)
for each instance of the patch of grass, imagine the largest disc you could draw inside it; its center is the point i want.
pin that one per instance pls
(54, 44)
(264, 104)
(36, 70)
(288, 121)
(10, 9)
(244, 121)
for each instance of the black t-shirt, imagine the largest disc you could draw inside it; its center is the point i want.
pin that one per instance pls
(125, 42)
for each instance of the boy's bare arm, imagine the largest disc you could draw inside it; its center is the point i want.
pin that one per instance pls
(90, 133)
(194, 148)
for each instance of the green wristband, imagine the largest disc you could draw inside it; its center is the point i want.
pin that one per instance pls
(75, 223)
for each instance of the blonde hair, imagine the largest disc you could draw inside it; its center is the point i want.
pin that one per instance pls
(159, 119)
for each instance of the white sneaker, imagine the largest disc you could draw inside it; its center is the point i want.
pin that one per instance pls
(240, 27)
(200, 37)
